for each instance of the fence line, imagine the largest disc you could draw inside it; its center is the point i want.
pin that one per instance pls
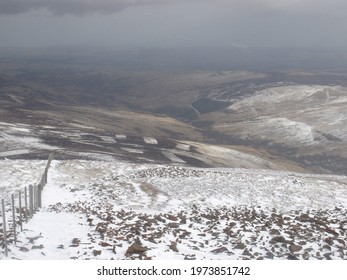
(32, 202)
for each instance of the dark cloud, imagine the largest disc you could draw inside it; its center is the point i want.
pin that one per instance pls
(78, 7)
(167, 23)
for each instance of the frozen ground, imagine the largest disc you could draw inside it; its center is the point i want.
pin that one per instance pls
(118, 210)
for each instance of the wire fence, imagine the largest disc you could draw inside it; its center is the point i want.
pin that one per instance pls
(21, 208)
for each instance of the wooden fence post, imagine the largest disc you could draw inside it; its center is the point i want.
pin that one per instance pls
(39, 195)
(20, 210)
(26, 204)
(35, 197)
(14, 226)
(31, 201)
(4, 226)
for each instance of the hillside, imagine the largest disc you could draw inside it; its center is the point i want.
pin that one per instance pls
(100, 209)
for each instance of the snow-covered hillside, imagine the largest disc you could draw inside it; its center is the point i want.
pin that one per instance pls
(119, 210)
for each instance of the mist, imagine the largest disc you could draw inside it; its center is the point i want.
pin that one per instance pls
(137, 24)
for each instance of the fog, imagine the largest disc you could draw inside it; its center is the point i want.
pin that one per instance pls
(136, 24)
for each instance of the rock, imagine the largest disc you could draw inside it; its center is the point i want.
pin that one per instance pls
(61, 246)
(270, 255)
(109, 218)
(173, 246)
(328, 256)
(295, 248)
(37, 247)
(105, 244)
(171, 217)
(190, 257)
(331, 231)
(32, 239)
(327, 247)
(240, 246)
(292, 257)
(135, 248)
(160, 219)
(246, 252)
(305, 218)
(96, 253)
(278, 239)
(152, 240)
(275, 232)
(329, 241)
(76, 241)
(23, 249)
(306, 256)
(220, 250)
(173, 225)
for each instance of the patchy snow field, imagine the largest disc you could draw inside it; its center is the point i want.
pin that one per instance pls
(118, 210)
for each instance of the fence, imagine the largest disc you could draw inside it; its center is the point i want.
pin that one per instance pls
(18, 213)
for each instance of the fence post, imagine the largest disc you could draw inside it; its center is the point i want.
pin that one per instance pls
(31, 200)
(4, 226)
(20, 210)
(14, 220)
(46, 173)
(39, 195)
(34, 198)
(26, 204)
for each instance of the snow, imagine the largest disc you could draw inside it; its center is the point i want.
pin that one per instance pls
(150, 140)
(132, 151)
(172, 157)
(183, 147)
(97, 209)
(17, 137)
(121, 136)
(14, 152)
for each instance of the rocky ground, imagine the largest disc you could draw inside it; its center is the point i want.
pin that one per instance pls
(103, 210)
(236, 232)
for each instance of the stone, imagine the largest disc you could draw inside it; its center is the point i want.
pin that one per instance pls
(189, 257)
(23, 249)
(135, 248)
(328, 256)
(240, 246)
(220, 250)
(96, 253)
(275, 232)
(278, 239)
(76, 241)
(105, 244)
(295, 248)
(270, 255)
(246, 252)
(173, 246)
(37, 247)
(292, 257)
(173, 225)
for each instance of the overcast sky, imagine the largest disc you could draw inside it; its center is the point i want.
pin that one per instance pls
(174, 23)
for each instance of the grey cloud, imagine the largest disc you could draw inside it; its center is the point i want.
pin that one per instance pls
(80, 7)
(77, 7)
